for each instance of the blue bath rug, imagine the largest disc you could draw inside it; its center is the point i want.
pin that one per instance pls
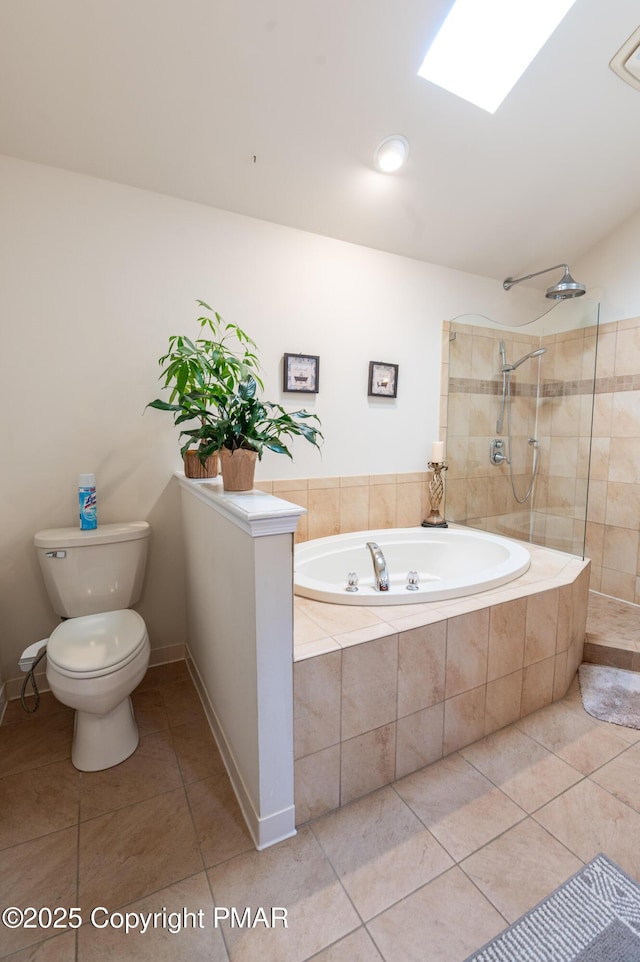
(592, 917)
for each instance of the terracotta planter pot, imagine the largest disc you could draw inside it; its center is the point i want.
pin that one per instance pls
(238, 469)
(194, 468)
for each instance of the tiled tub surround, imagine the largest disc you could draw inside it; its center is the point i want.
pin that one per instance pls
(382, 692)
(356, 502)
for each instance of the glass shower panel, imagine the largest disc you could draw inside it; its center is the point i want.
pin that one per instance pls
(519, 427)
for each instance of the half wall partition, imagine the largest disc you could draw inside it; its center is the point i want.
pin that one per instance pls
(519, 412)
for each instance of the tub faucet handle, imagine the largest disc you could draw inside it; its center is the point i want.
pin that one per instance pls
(352, 581)
(412, 581)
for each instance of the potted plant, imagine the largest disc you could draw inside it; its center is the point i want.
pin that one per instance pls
(214, 383)
(244, 426)
(197, 372)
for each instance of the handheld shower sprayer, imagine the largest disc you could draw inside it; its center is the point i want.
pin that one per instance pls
(511, 367)
(506, 370)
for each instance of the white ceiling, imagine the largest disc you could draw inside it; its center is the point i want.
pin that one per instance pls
(273, 108)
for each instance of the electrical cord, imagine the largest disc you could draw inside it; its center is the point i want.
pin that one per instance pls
(31, 675)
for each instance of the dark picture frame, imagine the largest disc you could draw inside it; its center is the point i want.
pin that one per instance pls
(383, 379)
(301, 373)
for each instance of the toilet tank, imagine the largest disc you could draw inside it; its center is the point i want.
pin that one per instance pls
(87, 572)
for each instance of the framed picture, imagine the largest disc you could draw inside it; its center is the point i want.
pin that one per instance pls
(383, 379)
(301, 373)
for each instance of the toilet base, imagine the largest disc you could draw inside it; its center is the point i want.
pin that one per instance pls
(102, 741)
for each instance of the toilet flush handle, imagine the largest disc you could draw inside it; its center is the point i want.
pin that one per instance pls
(56, 554)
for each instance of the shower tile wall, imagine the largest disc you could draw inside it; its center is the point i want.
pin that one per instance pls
(479, 493)
(613, 519)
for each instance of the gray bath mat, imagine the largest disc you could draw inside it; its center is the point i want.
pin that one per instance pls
(611, 694)
(593, 917)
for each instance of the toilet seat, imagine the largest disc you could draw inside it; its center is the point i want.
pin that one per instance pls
(95, 645)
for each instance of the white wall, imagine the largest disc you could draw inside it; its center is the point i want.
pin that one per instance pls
(611, 272)
(95, 276)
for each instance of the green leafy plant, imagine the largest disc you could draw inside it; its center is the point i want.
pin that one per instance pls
(245, 421)
(213, 383)
(199, 373)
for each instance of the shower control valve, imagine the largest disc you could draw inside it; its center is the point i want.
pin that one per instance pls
(496, 452)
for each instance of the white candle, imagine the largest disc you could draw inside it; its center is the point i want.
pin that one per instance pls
(437, 452)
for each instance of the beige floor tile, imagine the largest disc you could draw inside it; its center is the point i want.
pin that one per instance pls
(182, 703)
(294, 875)
(220, 826)
(445, 920)
(40, 872)
(527, 772)
(61, 948)
(458, 805)
(380, 850)
(34, 742)
(588, 820)
(37, 802)
(520, 868)
(196, 751)
(151, 770)
(149, 711)
(47, 706)
(356, 947)
(186, 905)
(621, 777)
(566, 729)
(159, 675)
(128, 853)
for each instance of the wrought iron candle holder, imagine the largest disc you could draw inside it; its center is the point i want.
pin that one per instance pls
(436, 489)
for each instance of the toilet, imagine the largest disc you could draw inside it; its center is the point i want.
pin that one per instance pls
(100, 652)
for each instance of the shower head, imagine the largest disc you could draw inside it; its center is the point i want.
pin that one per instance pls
(565, 288)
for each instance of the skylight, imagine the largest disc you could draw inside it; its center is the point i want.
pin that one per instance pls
(484, 46)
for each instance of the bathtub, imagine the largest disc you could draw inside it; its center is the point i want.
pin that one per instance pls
(450, 563)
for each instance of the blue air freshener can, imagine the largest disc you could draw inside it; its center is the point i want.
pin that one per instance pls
(88, 502)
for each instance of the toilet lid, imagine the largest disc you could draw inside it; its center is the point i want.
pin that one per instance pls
(97, 643)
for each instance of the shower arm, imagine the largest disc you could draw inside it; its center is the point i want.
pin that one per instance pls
(510, 281)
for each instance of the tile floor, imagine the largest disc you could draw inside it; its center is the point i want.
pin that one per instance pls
(430, 867)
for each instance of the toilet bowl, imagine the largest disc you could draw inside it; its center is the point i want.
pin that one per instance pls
(100, 652)
(93, 664)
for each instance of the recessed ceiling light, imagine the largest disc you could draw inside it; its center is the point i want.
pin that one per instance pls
(484, 46)
(391, 154)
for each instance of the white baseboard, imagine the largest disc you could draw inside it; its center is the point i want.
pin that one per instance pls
(264, 831)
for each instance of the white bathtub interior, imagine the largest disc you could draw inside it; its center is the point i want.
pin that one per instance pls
(450, 563)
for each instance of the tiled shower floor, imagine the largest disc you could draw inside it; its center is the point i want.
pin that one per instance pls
(429, 867)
